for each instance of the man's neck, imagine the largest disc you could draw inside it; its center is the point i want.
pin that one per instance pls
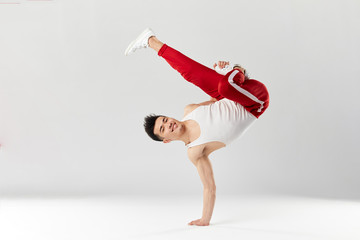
(186, 136)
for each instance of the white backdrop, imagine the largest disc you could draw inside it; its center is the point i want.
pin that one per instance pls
(72, 105)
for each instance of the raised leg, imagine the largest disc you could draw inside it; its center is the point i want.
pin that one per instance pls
(205, 78)
(235, 86)
(155, 43)
(251, 94)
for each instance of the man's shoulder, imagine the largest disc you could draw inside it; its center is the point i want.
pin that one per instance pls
(205, 149)
(194, 153)
(189, 108)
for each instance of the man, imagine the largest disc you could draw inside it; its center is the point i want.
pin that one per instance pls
(236, 102)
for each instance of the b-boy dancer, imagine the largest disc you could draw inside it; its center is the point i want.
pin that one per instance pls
(236, 103)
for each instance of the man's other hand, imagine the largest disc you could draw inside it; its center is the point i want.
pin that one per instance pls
(221, 64)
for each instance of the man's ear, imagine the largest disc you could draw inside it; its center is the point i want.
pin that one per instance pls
(166, 140)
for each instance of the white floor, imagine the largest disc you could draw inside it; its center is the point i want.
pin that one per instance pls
(139, 217)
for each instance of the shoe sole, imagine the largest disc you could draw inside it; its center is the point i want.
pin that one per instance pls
(140, 37)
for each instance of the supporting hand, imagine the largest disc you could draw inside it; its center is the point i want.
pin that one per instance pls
(199, 222)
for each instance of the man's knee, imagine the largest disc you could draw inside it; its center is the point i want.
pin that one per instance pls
(236, 76)
(250, 93)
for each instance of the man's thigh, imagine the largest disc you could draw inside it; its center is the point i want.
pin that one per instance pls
(251, 94)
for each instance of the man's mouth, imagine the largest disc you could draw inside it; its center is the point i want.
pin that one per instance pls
(173, 126)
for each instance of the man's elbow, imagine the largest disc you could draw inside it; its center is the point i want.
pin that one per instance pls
(210, 189)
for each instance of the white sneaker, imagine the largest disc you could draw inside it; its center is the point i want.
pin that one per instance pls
(142, 41)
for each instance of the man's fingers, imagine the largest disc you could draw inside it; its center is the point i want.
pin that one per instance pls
(194, 222)
(222, 64)
(198, 223)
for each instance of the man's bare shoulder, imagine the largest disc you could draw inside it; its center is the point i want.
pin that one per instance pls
(203, 150)
(195, 153)
(189, 108)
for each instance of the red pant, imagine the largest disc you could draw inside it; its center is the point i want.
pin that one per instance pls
(251, 94)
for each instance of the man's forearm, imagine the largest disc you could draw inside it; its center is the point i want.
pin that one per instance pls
(208, 204)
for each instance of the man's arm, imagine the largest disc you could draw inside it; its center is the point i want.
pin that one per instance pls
(191, 107)
(205, 171)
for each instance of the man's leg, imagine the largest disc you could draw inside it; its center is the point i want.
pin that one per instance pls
(251, 94)
(205, 78)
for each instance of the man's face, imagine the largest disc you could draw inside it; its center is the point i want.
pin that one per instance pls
(168, 128)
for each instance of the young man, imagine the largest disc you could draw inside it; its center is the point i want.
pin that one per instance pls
(236, 102)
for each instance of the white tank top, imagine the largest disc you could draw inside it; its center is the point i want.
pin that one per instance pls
(222, 121)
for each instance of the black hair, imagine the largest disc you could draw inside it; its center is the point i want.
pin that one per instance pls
(149, 124)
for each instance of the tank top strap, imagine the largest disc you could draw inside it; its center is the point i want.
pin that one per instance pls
(196, 116)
